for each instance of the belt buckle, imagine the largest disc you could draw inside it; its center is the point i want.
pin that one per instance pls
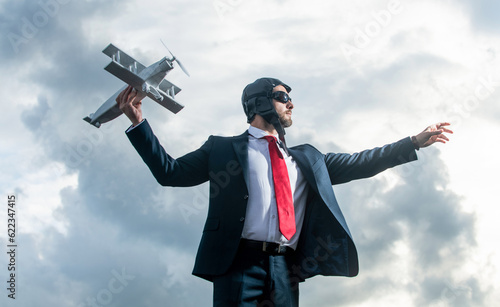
(267, 247)
(281, 249)
(264, 247)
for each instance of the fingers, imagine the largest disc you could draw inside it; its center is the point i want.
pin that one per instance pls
(447, 130)
(131, 93)
(129, 102)
(439, 137)
(123, 96)
(433, 134)
(442, 138)
(129, 97)
(119, 97)
(436, 135)
(136, 97)
(440, 126)
(436, 132)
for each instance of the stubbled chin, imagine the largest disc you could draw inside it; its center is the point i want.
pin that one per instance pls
(287, 122)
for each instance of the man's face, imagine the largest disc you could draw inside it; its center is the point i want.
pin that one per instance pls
(284, 110)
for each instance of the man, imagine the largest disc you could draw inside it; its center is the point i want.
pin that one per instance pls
(274, 221)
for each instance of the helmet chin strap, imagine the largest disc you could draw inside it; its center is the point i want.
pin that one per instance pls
(281, 133)
(271, 116)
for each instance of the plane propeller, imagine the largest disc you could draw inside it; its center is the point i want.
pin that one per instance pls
(176, 59)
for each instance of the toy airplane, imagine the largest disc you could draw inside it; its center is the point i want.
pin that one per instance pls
(148, 80)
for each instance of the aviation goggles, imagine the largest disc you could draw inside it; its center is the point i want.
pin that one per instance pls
(282, 97)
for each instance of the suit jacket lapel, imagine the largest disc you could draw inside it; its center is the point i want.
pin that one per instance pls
(240, 145)
(305, 167)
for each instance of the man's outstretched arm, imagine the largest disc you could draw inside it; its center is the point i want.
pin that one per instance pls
(188, 170)
(346, 167)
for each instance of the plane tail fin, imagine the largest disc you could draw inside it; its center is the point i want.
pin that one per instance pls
(89, 120)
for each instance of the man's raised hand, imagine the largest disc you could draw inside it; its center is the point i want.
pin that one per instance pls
(432, 134)
(129, 102)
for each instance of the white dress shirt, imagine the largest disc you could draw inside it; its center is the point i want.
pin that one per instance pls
(261, 222)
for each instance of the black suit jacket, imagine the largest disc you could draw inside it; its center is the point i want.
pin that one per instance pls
(325, 245)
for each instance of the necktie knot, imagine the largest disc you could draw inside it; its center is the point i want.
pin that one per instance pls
(270, 138)
(273, 143)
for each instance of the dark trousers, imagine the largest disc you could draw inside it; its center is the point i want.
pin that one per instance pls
(259, 279)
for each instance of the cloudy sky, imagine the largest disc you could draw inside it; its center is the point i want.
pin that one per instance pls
(95, 229)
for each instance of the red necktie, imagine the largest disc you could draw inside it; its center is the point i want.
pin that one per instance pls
(282, 190)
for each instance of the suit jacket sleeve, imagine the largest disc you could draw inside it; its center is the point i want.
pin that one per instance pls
(188, 170)
(346, 167)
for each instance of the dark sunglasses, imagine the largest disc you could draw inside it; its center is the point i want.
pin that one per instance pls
(281, 97)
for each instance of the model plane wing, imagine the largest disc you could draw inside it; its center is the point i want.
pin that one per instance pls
(169, 88)
(123, 59)
(124, 74)
(167, 102)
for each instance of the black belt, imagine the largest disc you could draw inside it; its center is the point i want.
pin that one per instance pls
(267, 247)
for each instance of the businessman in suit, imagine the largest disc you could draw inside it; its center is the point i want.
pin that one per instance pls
(273, 220)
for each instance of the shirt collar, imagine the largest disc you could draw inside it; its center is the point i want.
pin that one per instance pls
(259, 133)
